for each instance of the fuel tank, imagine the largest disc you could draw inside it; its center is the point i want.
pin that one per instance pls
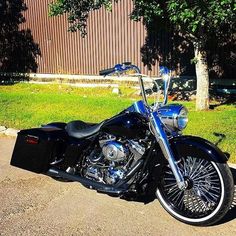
(126, 124)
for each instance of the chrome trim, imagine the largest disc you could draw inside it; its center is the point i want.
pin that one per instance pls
(170, 115)
(56, 161)
(143, 90)
(162, 139)
(166, 88)
(194, 200)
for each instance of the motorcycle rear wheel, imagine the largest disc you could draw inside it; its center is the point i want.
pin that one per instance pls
(209, 194)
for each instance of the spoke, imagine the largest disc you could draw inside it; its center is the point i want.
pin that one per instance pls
(192, 167)
(202, 170)
(215, 181)
(168, 185)
(215, 188)
(172, 189)
(210, 188)
(213, 195)
(199, 165)
(207, 198)
(169, 178)
(206, 181)
(185, 166)
(188, 165)
(173, 193)
(176, 197)
(169, 172)
(180, 200)
(204, 176)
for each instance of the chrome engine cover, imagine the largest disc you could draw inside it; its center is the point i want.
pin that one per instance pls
(114, 175)
(94, 173)
(112, 160)
(115, 151)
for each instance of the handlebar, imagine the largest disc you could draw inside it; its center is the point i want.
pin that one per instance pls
(125, 66)
(106, 71)
(119, 68)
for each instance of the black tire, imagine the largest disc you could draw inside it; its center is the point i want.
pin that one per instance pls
(208, 198)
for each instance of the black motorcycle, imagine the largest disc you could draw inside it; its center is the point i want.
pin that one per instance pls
(139, 152)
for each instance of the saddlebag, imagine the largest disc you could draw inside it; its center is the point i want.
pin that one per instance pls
(36, 148)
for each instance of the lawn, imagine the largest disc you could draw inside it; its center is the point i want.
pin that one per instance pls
(28, 105)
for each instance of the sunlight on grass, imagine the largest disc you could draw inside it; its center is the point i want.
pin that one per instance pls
(29, 105)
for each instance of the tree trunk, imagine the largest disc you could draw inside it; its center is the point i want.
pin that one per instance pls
(202, 98)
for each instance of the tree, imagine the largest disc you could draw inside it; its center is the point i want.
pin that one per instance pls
(78, 11)
(196, 21)
(18, 51)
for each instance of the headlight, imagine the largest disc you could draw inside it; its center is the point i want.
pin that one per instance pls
(175, 117)
(182, 119)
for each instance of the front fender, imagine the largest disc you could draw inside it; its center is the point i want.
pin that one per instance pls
(188, 145)
(181, 146)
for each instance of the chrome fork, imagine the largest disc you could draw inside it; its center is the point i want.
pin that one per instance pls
(162, 139)
(161, 136)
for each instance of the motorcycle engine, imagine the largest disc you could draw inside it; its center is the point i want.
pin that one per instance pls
(110, 161)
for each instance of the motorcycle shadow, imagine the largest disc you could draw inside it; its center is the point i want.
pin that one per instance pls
(231, 215)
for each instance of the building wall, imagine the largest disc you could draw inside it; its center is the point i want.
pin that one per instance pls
(112, 38)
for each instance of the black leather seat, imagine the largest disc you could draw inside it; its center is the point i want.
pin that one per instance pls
(80, 129)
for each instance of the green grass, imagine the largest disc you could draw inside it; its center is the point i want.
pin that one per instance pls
(28, 105)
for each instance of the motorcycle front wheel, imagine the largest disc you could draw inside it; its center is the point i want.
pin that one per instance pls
(208, 196)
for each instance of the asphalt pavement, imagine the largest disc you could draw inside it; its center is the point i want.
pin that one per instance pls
(32, 204)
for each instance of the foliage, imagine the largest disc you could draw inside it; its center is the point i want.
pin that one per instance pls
(18, 51)
(209, 25)
(78, 11)
(195, 19)
(28, 105)
(172, 28)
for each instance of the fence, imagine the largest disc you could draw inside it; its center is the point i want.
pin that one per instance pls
(112, 38)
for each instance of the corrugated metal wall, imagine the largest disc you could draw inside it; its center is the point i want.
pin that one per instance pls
(112, 38)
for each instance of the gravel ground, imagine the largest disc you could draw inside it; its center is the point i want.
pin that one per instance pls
(32, 204)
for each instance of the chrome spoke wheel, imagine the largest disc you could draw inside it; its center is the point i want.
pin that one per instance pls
(210, 188)
(204, 191)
